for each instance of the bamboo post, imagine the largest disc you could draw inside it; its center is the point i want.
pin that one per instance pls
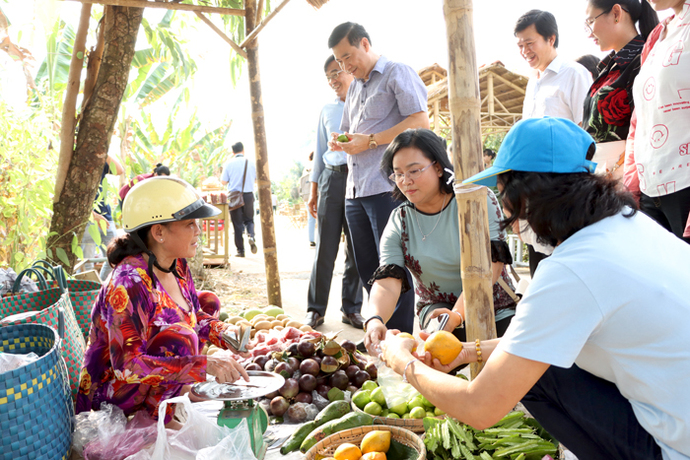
(262, 176)
(69, 107)
(255, 30)
(227, 39)
(464, 103)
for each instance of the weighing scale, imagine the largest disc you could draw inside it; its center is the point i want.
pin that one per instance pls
(239, 398)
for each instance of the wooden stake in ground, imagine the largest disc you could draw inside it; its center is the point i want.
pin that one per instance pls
(69, 107)
(262, 177)
(464, 103)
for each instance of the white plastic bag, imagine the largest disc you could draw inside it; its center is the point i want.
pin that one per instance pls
(394, 389)
(200, 437)
(99, 425)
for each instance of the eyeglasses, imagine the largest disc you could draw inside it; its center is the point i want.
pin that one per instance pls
(590, 22)
(333, 75)
(411, 175)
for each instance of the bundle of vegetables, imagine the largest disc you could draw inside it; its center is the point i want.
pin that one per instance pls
(514, 437)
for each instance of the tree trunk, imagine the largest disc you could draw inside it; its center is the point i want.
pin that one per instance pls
(262, 177)
(71, 212)
(464, 102)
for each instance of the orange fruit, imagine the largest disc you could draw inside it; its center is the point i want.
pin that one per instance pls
(347, 451)
(443, 346)
(376, 441)
(373, 456)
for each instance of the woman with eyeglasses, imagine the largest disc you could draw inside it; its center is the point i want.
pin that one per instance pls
(658, 161)
(609, 104)
(422, 235)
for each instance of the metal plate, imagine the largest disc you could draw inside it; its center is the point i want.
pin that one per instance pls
(260, 384)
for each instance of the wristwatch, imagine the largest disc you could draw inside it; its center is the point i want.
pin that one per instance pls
(372, 143)
(369, 319)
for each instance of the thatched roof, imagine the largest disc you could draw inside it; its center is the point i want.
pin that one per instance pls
(498, 113)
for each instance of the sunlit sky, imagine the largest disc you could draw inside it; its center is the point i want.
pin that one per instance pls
(293, 48)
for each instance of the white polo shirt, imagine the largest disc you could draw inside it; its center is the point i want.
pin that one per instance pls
(558, 92)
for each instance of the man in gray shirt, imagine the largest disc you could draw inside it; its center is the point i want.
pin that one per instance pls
(385, 99)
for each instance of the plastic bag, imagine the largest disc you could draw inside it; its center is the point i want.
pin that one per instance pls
(139, 433)
(10, 362)
(319, 401)
(236, 446)
(98, 425)
(199, 432)
(394, 389)
(7, 279)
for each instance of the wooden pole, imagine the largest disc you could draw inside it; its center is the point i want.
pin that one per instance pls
(166, 6)
(229, 41)
(464, 103)
(251, 36)
(262, 176)
(69, 107)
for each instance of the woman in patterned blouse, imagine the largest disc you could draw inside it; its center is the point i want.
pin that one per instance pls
(147, 321)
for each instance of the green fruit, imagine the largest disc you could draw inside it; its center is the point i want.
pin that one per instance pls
(297, 438)
(461, 375)
(400, 409)
(373, 408)
(362, 398)
(438, 412)
(426, 402)
(406, 415)
(369, 385)
(392, 415)
(385, 412)
(377, 396)
(274, 311)
(430, 414)
(249, 314)
(334, 410)
(336, 394)
(415, 402)
(417, 412)
(223, 316)
(343, 138)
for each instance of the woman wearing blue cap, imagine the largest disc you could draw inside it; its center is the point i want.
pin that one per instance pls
(599, 350)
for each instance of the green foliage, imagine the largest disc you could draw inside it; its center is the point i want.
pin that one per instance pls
(287, 189)
(27, 174)
(494, 140)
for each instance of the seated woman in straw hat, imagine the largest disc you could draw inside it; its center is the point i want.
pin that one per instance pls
(147, 321)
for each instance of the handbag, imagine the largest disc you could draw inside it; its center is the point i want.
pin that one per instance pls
(47, 303)
(82, 294)
(35, 405)
(236, 198)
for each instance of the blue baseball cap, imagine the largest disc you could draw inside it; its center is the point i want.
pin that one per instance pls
(549, 145)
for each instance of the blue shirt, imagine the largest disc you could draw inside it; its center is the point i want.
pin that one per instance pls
(329, 122)
(233, 172)
(393, 92)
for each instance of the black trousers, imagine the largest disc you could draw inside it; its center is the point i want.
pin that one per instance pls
(670, 211)
(330, 215)
(589, 416)
(243, 218)
(367, 217)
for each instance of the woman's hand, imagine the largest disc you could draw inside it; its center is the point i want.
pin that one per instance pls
(454, 318)
(467, 355)
(397, 350)
(225, 369)
(376, 332)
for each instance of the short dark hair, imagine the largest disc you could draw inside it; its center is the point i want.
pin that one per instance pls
(238, 147)
(432, 147)
(490, 153)
(640, 12)
(329, 60)
(161, 170)
(543, 21)
(559, 205)
(353, 31)
(591, 63)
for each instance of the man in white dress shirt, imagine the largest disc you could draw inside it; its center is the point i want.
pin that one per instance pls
(557, 88)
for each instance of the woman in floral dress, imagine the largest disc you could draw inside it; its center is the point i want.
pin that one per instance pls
(422, 235)
(147, 321)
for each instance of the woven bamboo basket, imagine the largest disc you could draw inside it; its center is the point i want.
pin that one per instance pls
(327, 446)
(412, 424)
